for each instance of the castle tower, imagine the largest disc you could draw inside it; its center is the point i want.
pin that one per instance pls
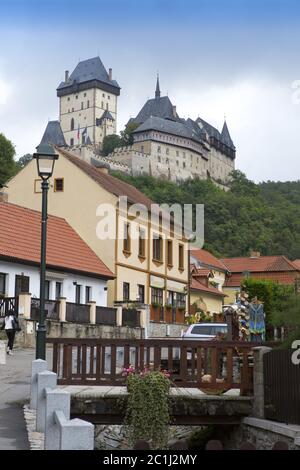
(87, 97)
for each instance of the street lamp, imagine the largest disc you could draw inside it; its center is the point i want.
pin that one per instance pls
(45, 159)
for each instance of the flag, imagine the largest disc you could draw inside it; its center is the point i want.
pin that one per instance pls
(84, 133)
(78, 132)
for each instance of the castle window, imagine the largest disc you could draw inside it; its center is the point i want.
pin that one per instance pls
(103, 94)
(158, 158)
(142, 148)
(167, 160)
(183, 154)
(177, 162)
(58, 184)
(177, 153)
(84, 95)
(72, 110)
(108, 97)
(81, 104)
(72, 124)
(77, 97)
(158, 149)
(88, 103)
(107, 106)
(68, 98)
(167, 151)
(183, 164)
(102, 105)
(71, 142)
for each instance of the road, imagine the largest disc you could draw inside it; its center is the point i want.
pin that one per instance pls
(14, 392)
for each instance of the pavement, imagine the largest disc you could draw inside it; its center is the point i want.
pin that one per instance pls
(14, 393)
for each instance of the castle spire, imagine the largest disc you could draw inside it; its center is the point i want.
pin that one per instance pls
(157, 91)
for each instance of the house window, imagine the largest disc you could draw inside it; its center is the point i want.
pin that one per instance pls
(180, 257)
(2, 284)
(71, 142)
(47, 290)
(126, 240)
(125, 290)
(58, 184)
(169, 253)
(72, 124)
(21, 284)
(156, 296)
(181, 300)
(77, 293)
(88, 294)
(58, 290)
(142, 243)
(157, 248)
(141, 293)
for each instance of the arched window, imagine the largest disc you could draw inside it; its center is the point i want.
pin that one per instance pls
(72, 124)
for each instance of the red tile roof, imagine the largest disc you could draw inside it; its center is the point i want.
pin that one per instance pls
(259, 264)
(207, 259)
(197, 285)
(282, 277)
(20, 236)
(297, 264)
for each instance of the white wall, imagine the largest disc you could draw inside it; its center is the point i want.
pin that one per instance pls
(98, 294)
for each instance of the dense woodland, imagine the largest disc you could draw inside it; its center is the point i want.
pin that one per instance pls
(263, 217)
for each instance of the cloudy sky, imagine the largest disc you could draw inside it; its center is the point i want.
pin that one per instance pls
(239, 58)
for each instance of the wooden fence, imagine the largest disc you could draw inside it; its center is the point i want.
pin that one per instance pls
(77, 313)
(205, 365)
(281, 387)
(130, 317)
(106, 316)
(51, 309)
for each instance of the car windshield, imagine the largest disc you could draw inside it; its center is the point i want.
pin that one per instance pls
(201, 330)
(219, 329)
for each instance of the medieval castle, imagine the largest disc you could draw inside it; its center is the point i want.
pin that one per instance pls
(164, 144)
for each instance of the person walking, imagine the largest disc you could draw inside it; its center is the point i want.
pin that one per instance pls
(10, 325)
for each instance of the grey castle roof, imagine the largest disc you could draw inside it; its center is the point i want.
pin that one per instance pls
(226, 136)
(159, 107)
(107, 115)
(223, 137)
(182, 129)
(87, 71)
(53, 134)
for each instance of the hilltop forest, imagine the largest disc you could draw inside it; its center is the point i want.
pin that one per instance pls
(263, 217)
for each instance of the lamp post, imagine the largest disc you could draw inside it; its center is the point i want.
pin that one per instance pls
(45, 159)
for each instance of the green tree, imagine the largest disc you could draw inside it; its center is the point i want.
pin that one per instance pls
(8, 166)
(110, 142)
(24, 160)
(127, 133)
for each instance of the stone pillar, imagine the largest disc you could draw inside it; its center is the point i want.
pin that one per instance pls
(2, 352)
(37, 366)
(258, 381)
(143, 318)
(56, 400)
(45, 379)
(62, 308)
(119, 316)
(92, 305)
(77, 434)
(25, 305)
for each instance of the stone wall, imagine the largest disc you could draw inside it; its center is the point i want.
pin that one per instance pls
(164, 330)
(262, 433)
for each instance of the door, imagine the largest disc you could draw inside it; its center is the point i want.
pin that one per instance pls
(21, 285)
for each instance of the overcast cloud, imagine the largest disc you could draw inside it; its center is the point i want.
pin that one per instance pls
(234, 58)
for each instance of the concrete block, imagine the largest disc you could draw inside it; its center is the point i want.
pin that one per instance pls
(2, 352)
(37, 366)
(45, 380)
(77, 435)
(56, 400)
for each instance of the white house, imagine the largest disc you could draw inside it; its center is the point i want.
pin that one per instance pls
(73, 270)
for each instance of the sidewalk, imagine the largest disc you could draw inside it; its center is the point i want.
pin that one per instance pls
(14, 391)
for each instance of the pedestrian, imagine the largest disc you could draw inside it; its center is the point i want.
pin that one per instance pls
(10, 325)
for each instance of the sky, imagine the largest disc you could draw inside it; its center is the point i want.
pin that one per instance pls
(215, 58)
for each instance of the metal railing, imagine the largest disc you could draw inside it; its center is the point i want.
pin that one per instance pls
(208, 365)
(51, 309)
(8, 304)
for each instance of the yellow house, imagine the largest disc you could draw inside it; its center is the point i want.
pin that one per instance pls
(149, 261)
(203, 296)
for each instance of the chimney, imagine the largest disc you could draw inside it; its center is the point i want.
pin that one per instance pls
(255, 254)
(174, 111)
(3, 197)
(66, 75)
(110, 74)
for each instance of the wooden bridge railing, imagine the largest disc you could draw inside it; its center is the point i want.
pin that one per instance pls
(214, 365)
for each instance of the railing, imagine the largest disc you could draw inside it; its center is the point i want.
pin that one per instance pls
(8, 304)
(281, 387)
(206, 365)
(78, 313)
(130, 317)
(51, 309)
(106, 316)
